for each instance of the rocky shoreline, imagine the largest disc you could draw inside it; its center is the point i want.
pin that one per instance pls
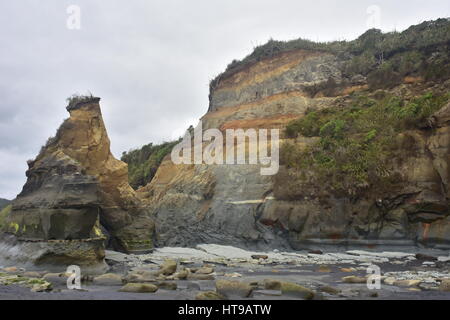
(215, 272)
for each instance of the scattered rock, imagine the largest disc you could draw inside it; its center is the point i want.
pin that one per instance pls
(41, 287)
(324, 269)
(209, 295)
(139, 288)
(205, 270)
(270, 284)
(169, 267)
(11, 270)
(330, 290)
(296, 290)
(289, 288)
(56, 279)
(389, 281)
(202, 277)
(108, 279)
(32, 274)
(233, 288)
(425, 257)
(354, 279)
(182, 275)
(445, 285)
(407, 283)
(167, 285)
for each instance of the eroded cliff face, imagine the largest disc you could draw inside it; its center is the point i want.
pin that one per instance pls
(234, 204)
(75, 192)
(413, 209)
(227, 204)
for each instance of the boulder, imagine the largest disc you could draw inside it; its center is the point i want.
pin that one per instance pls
(270, 284)
(205, 270)
(289, 288)
(234, 289)
(56, 279)
(167, 285)
(169, 267)
(42, 287)
(209, 295)
(445, 285)
(108, 279)
(389, 281)
(425, 257)
(182, 274)
(139, 288)
(354, 279)
(407, 283)
(297, 291)
(330, 290)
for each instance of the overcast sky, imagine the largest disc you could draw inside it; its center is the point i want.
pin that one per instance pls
(150, 61)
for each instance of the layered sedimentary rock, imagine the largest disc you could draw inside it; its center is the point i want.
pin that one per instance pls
(76, 191)
(234, 204)
(227, 203)
(412, 210)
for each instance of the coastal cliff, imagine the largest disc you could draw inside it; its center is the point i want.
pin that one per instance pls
(364, 156)
(364, 161)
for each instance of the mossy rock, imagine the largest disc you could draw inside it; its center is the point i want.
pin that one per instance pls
(209, 295)
(139, 288)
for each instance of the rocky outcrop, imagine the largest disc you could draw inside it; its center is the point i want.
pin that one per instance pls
(77, 192)
(234, 204)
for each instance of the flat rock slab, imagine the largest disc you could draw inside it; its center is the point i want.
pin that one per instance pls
(389, 255)
(116, 256)
(182, 253)
(225, 251)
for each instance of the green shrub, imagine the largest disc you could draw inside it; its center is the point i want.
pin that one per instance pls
(3, 214)
(143, 163)
(404, 51)
(356, 142)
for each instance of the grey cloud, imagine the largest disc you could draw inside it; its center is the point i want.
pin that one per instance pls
(150, 61)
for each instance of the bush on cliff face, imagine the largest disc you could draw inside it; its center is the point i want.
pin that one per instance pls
(3, 214)
(77, 98)
(143, 163)
(356, 142)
